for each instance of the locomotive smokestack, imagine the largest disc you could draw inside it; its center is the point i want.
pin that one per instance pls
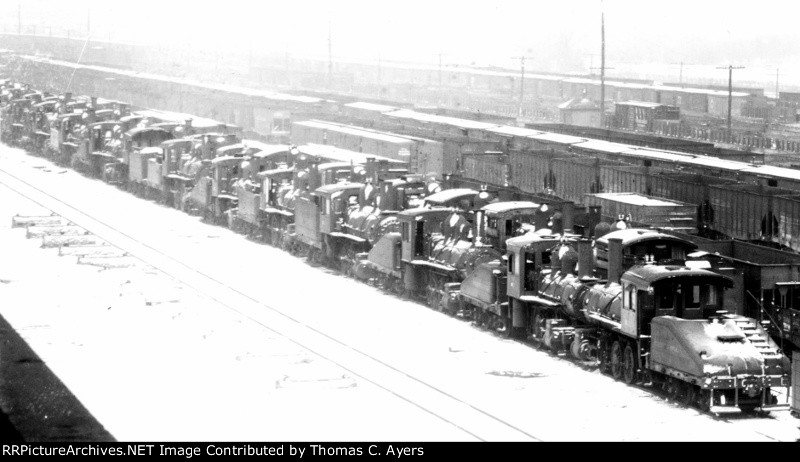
(372, 170)
(594, 217)
(94, 101)
(383, 166)
(614, 259)
(567, 212)
(67, 97)
(585, 259)
(314, 180)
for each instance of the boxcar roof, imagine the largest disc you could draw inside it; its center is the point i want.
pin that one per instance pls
(648, 274)
(450, 194)
(635, 235)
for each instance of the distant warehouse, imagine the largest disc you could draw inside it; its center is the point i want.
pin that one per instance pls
(639, 115)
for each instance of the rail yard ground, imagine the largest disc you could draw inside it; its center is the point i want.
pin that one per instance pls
(201, 334)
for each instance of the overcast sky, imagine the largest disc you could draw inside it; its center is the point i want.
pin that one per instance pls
(555, 36)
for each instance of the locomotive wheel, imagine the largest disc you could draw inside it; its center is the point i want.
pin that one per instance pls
(688, 396)
(702, 400)
(628, 365)
(616, 360)
(398, 287)
(346, 268)
(539, 323)
(432, 302)
(673, 389)
(503, 326)
(603, 355)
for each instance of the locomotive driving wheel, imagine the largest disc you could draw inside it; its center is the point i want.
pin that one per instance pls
(702, 400)
(672, 388)
(616, 360)
(688, 396)
(539, 325)
(478, 316)
(398, 287)
(629, 365)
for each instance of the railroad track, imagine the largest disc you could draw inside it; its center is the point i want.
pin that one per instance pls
(476, 422)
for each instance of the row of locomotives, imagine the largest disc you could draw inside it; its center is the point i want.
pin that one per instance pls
(386, 190)
(38, 125)
(443, 243)
(406, 244)
(142, 145)
(204, 181)
(291, 175)
(646, 318)
(285, 186)
(265, 168)
(69, 129)
(17, 101)
(383, 198)
(483, 295)
(325, 194)
(101, 149)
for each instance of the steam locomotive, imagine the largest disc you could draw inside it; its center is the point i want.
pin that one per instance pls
(636, 305)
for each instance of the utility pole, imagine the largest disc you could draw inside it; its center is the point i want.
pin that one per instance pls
(330, 54)
(379, 71)
(777, 75)
(521, 82)
(286, 65)
(19, 18)
(440, 78)
(602, 70)
(730, 69)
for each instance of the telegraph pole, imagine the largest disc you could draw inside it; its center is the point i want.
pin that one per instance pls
(286, 64)
(330, 54)
(680, 73)
(380, 64)
(777, 75)
(19, 18)
(730, 69)
(440, 77)
(602, 70)
(521, 81)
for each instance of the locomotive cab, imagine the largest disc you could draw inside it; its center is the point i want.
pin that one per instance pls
(650, 291)
(495, 223)
(641, 245)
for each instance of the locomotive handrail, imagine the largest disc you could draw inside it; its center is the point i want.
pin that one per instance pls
(771, 319)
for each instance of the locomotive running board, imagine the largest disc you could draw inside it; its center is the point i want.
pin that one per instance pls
(539, 301)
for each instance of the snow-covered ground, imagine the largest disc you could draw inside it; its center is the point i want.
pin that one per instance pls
(282, 351)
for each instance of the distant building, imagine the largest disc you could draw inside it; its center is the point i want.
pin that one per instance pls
(580, 111)
(640, 115)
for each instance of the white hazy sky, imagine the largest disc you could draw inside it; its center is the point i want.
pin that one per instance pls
(557, 36)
